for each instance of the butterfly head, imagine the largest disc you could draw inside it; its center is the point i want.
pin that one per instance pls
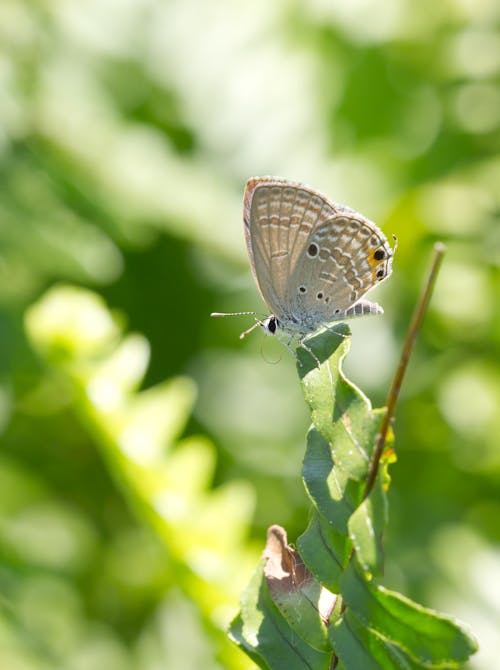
(269, 325)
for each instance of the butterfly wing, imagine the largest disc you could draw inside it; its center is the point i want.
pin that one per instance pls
(343, 258)
(279, 218)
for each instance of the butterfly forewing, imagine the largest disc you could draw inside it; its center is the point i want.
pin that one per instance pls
(279, 218)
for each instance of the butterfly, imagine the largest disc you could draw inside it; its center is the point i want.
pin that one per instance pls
(312, 259)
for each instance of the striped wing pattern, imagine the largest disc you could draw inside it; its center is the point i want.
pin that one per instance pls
(312, 259)
(351, 256)
(279, 217)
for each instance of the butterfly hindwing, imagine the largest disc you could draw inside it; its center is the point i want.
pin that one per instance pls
(343, 259)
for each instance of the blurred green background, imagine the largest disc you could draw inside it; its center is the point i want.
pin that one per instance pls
(144, 448)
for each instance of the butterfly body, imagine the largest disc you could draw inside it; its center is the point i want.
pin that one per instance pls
(312, 259)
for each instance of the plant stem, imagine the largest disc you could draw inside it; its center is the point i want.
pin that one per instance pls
(392, 398)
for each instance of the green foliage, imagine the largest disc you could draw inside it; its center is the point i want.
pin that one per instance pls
(127, 131)
(166, 481)
(374, 627)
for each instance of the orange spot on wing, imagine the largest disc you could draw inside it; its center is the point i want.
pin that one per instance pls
(372, 262)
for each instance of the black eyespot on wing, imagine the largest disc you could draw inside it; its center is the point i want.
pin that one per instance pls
(337, 311)
(319, 295)
(380, 274)
(302, 289)
(379, 255)
(312, 250)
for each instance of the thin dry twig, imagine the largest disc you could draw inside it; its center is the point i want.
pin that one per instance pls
(392, 398)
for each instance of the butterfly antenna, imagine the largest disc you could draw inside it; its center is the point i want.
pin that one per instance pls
(249, 330)
(233, 313)
(258, 322)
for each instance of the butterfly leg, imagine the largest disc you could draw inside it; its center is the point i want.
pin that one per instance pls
(288, 345)
(332, 329)
(309, 351)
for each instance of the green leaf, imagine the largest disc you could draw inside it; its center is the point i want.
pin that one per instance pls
(370, 627)
(429, 638)
(333, 492)
(263, 632)
(167, 483)
(366, 527)
(360, 647)
(236, 634)
(340, 411)
(324, 345)
(325, 551)
(146, 424)
(70, 321)
(302, 600)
